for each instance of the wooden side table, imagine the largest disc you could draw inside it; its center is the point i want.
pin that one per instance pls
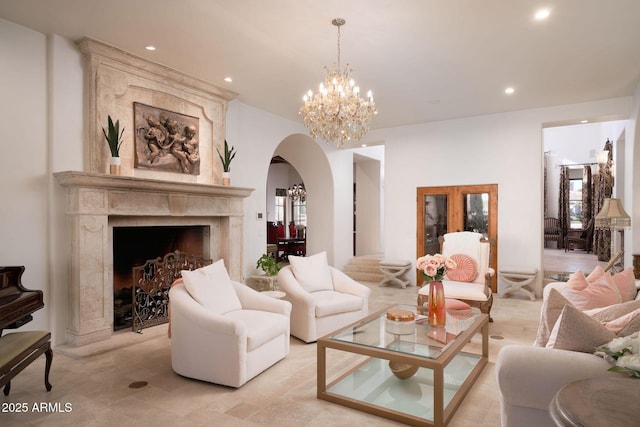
(605, 401)
(636, 265)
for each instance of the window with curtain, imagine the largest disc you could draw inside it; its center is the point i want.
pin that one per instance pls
(575, 203)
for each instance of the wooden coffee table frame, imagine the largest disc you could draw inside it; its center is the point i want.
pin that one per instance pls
(441, 414)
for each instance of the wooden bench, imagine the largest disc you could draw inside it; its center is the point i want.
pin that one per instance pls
(18, 350)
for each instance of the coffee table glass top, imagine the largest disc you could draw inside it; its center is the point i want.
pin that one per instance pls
(414, 337)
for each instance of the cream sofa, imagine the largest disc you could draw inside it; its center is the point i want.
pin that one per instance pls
(529, 377)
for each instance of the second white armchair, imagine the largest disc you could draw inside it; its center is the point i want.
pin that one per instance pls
(323, 298)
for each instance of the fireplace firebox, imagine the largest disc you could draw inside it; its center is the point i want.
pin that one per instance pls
(146, 260)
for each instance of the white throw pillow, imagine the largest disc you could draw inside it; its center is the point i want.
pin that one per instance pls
(312, 272)
(211, 287)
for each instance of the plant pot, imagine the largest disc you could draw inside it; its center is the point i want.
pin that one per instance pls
(226, 178)
(114, 166)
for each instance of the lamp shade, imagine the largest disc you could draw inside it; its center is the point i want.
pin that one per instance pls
(612, 215)
(602, 156)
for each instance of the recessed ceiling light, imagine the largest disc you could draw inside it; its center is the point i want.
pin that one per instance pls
(542, 14)
(150, 47)
(228, 79)
(584, 121)
(363, 145)
(509, 90)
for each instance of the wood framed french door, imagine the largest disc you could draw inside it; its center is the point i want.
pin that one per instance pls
(447, 209)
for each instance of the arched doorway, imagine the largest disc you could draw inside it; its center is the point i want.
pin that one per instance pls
(310, 162)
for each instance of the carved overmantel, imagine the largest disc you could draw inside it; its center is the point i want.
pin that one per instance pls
(95, 203)
(115, 79)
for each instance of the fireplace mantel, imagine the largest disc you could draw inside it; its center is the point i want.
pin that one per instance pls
(99, 180)
(95, 203)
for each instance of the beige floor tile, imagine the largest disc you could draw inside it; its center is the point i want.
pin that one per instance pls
(98, 389)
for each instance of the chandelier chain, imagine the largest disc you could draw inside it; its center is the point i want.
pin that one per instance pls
(338, 47)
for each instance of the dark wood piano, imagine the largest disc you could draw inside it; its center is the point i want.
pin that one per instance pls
(16, 302)
(19, 349)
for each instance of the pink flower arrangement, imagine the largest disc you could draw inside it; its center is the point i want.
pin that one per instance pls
(434, 267)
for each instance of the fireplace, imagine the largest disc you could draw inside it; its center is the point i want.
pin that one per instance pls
(99, 206)
(96, 204)
(133, 247)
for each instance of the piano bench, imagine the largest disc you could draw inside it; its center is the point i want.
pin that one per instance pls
(18, 350)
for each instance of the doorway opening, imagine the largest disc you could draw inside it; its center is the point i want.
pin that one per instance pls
(571, 155)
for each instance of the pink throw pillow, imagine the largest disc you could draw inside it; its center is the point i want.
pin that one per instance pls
(466, 271)
(626, 283)
(600, 292)
(577, 281)
(455, 304)
(596, 274)
(599, 276)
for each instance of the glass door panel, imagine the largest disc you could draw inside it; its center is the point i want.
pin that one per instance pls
(435, 221)
(476, 213)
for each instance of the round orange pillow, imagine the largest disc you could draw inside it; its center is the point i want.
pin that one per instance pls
(466, 271)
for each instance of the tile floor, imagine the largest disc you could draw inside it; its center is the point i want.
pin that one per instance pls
(97, 387)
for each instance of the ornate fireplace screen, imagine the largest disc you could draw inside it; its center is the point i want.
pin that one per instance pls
(151, 284)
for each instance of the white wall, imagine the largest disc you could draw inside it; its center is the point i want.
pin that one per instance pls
(258, 136)
(504, 149)
(368, 206)
(24, 227)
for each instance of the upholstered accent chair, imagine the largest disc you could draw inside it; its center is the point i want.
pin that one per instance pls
(323, 298)
(477, 290)
(223, 331)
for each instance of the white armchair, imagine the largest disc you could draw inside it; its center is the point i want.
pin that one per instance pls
(223, 331)
(477, 291)
(323, 298)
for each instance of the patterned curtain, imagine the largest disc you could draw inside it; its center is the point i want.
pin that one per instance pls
(563, 204)
(587, 198)
(602, 189)
(546, 207)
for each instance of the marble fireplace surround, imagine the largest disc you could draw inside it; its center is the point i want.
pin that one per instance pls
(95, 203)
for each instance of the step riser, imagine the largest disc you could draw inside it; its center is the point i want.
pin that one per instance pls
(364, 269)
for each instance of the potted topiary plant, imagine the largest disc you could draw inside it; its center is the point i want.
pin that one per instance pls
(229, 154)
(114, 140)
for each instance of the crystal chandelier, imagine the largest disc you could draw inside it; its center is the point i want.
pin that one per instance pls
(337, 113)
(297, 192)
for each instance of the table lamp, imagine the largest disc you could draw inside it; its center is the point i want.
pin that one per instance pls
(613, 216)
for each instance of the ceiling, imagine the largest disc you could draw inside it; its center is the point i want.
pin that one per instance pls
(424, 60)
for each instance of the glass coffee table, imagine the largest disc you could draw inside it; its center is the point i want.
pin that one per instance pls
(354, 365)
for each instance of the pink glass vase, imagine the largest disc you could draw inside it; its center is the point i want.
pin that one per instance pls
(437, 311)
